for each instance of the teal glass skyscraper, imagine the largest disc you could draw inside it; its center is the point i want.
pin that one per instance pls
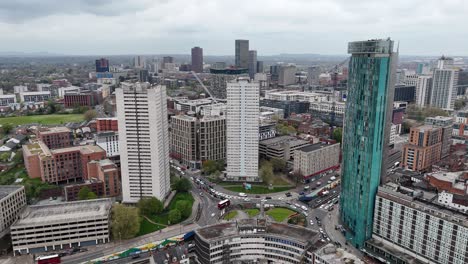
(366, 133)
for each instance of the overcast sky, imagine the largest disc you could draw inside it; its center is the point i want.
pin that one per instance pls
(104, 27)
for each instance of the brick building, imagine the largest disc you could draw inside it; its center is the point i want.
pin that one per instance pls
(108, 173)
(56, 137)
(71, 191)
(107, 124)
(423, 149)
(59, 166)
(72, 100)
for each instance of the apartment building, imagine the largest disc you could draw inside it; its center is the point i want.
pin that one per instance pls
(58, 166)
(34, 96)
(108, 173)
(317, 158)
(423, 148)
(409, 228)
(108, 141)
(282, 147)
(107, 124)
(55, 137)
(12, 201)
(446, 123)
(143, 141)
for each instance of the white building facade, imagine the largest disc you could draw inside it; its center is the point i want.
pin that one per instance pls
(242, 130)
(12, 201)
(108, 141)
(143, 141)
(444, 88)
(423, 90)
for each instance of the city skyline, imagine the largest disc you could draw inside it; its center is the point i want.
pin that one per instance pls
(319, 27)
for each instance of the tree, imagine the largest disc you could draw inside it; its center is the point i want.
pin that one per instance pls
(211, 166)
(459, 104)
(278, 164)
(5, 156)
(7, 128)
(150, 206)
(184, 208)
(297, 176)
(174, 216)
(266, 172)
(338, 134)
(125, 222)
(90, 115)
(86, 194)
(182, 185)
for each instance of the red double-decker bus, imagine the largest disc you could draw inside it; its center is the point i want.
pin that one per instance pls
(223, 204)
(51, 259)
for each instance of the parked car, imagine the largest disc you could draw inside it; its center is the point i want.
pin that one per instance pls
(242, 194)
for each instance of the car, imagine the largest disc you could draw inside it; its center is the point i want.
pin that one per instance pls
(333, 178)
(191, 178)
(263, 200)
(301, 193)
(311, 222)
(246, 199)
(257, 196)
(331, 208)
(213, 214)
(201, 194)
(297, 205)
(329, 181)
(305, 214)
(293, 207)
(319, 223)
(319, 183)
(242, 194)
(321, 230)
(288, 203)
(135, 256)
(288, 194)
(304, 208)
(268, 198)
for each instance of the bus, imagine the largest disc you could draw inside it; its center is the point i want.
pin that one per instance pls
(223, 204)
(51, 259)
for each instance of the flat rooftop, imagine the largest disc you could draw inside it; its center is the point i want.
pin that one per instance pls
(5, 190)
(293, 141)
(220, 231)
(86, 149)
(53, 130)
(314, 147)
(64, 212)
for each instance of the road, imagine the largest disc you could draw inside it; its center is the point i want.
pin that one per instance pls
(209, 214)
(117, 246)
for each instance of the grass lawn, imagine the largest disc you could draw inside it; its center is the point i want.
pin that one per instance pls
(257, 189)
(42, 119)
(8, 177)
(230, 215)
(280, 214)
(147, 227)
(163, 218)
(252, 212)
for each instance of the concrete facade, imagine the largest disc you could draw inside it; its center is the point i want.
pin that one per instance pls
(242, 130)
(423, 149)
(317, 158)
(58, 226)
(12, 201)
(143, 141)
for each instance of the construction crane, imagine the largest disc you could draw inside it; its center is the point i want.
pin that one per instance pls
(204, 87)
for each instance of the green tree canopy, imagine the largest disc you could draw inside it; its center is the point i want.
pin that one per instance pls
(84, 193)
(5, 156)
(125, 222)
(150, 206)
(182, 185)
(211, 166)
(6, 128)
(174, 216)
(266, 172)
(338, 134)
(90, 115)
(278, 164)
(184, 208)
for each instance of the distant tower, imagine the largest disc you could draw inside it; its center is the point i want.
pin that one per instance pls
(242, 53)
(252, 63)
(197, 59)
(139, 62)
(143, 141)
(242, 130)
(102, 65)
(313, 74)
(366, 133)
(444, 84)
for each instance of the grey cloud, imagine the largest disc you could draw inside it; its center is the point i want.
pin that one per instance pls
(18, 11)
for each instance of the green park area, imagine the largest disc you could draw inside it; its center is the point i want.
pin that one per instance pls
(280, 214)
(230, 215)
(55, 119)
(252, 212)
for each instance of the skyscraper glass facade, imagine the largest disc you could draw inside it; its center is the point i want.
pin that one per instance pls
(366, 131)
